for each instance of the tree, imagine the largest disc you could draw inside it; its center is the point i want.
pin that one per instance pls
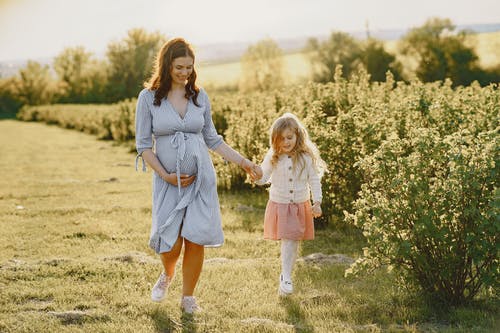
(339, 49)
(35, 85)
(378, 61)
(130, 62)
(440, 52)
(262, 67)
(9, 101)
(80, 74)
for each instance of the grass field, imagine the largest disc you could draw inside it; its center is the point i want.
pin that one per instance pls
(74, 257)
(488, 48)
(297, 65)
(296, 68)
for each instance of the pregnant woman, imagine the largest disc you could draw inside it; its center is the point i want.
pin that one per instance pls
(174, 131)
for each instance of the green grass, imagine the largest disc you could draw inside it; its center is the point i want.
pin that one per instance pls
(74, 257)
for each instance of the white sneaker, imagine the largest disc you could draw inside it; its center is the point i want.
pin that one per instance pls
(160, 288)
(286, 286)
(188, 305)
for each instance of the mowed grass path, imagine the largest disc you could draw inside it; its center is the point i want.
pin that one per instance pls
(74, 228)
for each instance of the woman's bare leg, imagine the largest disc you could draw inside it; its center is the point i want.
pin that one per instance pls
(169, 259)
(191, 266)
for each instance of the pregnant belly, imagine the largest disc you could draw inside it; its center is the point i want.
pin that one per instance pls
(168, 155)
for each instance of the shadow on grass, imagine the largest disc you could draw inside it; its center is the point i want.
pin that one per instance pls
(188, 323)
(296, 315)
(164, 323)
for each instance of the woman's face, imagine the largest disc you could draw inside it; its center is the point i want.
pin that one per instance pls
(182, 68)
(288, 140)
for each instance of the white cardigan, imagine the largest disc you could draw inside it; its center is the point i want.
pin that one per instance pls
(289, 185)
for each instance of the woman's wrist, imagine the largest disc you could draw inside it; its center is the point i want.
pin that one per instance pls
(165, 176)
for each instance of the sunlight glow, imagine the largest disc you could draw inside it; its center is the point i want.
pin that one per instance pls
(42, 28)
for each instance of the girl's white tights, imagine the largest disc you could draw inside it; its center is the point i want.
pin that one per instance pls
(288, 257)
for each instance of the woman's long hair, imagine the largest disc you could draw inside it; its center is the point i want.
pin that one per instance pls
(161, 81)
(303, 145)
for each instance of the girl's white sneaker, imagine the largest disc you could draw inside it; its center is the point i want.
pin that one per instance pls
(286, 286)
(188, 305)
(160, 288)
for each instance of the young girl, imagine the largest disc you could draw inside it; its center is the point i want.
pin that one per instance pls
(294, 168)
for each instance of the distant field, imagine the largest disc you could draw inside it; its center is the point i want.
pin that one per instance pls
(488, 48)
(297, 65)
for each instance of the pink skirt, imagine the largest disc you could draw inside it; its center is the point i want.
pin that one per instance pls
(288, 221)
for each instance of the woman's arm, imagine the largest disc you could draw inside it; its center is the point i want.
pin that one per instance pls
(215, 142)
(155, 164)
(231, 155)
(144, 141)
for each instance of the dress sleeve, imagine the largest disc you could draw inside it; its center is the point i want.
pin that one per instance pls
(314, 181)
(212, 139)
(143, 124)
(267, 169)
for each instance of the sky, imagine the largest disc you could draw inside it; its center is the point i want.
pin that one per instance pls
(32, 29)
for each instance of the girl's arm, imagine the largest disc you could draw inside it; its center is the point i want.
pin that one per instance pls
(315, 185)
(314, 181)
(267, 169)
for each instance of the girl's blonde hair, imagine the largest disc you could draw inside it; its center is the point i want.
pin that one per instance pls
(303, 145)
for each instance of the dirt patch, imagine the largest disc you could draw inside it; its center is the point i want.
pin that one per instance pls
(133, 258)
(326, 259)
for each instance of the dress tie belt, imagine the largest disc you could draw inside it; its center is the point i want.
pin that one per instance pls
(179, 142)
(139, 156)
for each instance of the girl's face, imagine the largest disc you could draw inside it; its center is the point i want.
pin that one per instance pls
(182, 68)
(288, 141)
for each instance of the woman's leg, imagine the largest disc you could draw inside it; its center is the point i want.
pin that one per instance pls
(191, 266)
(169, 259)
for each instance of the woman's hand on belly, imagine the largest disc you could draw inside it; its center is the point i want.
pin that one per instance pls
(186, 180)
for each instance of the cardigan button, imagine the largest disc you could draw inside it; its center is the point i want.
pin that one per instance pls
(291, 200)
(289, 168)
(291, 191)
(290, 179)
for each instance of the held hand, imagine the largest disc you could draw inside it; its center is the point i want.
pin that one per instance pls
(316, 209)
(252, 169)
(186, 180)
(258, 172)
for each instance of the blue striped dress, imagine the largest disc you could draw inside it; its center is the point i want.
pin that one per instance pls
(181, 145)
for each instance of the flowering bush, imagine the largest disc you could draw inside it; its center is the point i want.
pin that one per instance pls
(429, 207)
